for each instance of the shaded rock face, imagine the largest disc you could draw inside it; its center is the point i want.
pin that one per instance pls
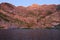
(35, 16)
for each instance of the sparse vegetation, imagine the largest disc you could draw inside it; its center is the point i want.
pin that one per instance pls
(27, 28)
(19, 21)
(29, 25)
(31, 13)
(1, 27)
(57, 26)
(58, 8)
(29, 16)
(3, 17)
(48, 28)
(49, 12)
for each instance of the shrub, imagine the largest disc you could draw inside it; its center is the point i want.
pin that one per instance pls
(31, 13)
(57, 26)
(49, 12)
(19, 21)
(29, 25)
(3, 17)
(48, 28)
(58, 7)
(1, 27)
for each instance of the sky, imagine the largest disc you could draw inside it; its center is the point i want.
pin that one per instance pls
(30, 2)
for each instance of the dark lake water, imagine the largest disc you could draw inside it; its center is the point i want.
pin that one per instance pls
(30, 34)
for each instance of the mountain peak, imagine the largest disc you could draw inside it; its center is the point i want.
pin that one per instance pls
(4, 3)
(35, 5)
(7, 4)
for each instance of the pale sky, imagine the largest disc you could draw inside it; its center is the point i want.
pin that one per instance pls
(30, 2)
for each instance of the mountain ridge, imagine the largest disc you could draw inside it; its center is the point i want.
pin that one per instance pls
(34, 16)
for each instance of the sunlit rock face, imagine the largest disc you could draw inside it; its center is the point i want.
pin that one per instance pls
(34, 16)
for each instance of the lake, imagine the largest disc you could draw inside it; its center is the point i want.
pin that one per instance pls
(29, 34)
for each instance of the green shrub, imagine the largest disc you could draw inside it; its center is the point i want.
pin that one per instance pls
(48, 28)
(3, 17)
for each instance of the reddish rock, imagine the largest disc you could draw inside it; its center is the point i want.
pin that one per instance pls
(34, 16)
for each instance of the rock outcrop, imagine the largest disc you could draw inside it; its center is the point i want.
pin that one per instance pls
(34, 16)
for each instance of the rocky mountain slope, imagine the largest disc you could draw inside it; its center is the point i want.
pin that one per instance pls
(34, 16)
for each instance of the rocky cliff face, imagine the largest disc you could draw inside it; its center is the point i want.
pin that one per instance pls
(34, 16)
